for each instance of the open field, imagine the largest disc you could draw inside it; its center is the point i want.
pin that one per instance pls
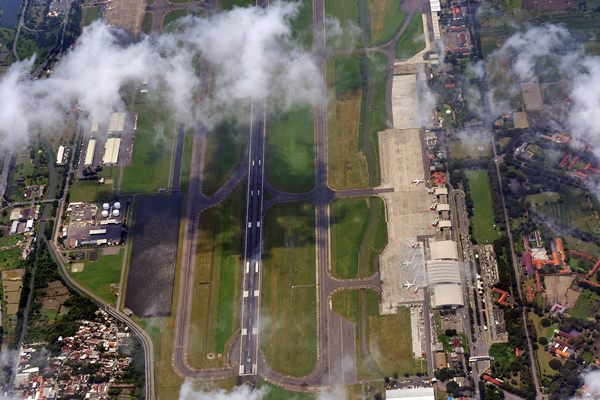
(389, 343)
(290, 150)
(98, 276)
(288, 307)
(229, 4)
(216, 291)
(543, 356)
(90, 14)
(358, 235)
(91, 191)
(356, 114)
(347, 13)
(586, 306)
(152, 150)
(302, 24)
(276, 393)
(153, 254)
(147, 22)
(475, 147)
(173, 16)
(484, 230)
(225, 146)
(412, 40)
(385, 18)
(126, 14)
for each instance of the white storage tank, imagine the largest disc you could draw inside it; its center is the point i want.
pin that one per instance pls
(117, 205)
(104, 213)
(106, 206)
(115, 213)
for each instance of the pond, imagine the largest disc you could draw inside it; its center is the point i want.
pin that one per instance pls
(10, 12)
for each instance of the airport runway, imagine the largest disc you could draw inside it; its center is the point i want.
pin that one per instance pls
(249, 339)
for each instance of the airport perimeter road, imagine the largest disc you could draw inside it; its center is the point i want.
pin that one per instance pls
(249, 340)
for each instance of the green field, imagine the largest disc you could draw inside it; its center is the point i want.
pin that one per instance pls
(484, 230)
(98, 276)
(385, 18)
(347, 13)
(173, 16)
(586, 306)
(290, 148)
(273, 392)
(147, 22)
(10, 240)
(389, 343)
(289, 290)
(358, 235)
(356, 114)
(90, 14)
(151, 160)
(225, 146)
(229, 4)
(91, 191)
(10, 259)
(302, 24)
(216, 290)
(186, 161)
(412, 40)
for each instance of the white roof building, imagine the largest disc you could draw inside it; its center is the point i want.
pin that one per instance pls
(60, 154)
(111, 151)
(445, 223)
(441, 191)
(443, 250)
(422, 393)
(443, 271)
(435, 5)
(447, 295)
(443, 207)
(89, 153)
(117, 122)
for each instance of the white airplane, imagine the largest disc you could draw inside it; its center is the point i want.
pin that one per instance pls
(408, 285)
(406, 263)
(417, 181)
(415, 245)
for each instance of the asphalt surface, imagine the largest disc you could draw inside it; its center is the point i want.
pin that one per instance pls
(250, 301)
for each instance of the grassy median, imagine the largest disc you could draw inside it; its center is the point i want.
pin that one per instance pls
(412, 40)
(484, 229)
(288, 310)
(358, 235)
(290, 163)
(216, 291)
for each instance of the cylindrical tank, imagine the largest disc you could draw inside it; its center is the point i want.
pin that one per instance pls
(117, 205)
(115, 213)
(106, 206)
(104, 213)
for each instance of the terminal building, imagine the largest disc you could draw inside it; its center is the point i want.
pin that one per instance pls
(444, 276)
(416, 393)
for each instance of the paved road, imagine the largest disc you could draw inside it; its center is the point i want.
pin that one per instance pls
(249, 340)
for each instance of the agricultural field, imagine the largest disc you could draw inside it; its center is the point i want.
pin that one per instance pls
(412, 40)
(225, 146)
(216, 290)
(356, 114)
(290, 150)
(381, 333)
(484, 229)
(586, 307)
(152, 151)
(98, 276)
(358, 235)
(289, 289)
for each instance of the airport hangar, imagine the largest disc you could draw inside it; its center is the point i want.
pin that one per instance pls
(443, 274)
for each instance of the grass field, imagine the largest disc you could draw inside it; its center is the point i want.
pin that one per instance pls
(412, 40)
(586, 306)
(99, 275)
(290, 150)
(90, 14)
(186, 161)
(151, 160)
(358, 235)
(388, 337)
(474, 147)
(503, 354)
(385, 18)
(10, 240)
(225, 146)
(543, 356)
(289, 322)
(229, 4)
(147, 22)
(273, 392)
(356, 114)
(91, 191)
(216, 290)
(173, 16)
(347, 13)
(10, 259)
(302, 24)
(484, 230)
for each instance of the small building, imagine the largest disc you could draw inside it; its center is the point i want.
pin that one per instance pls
(447, 295)
(117, 123)
(443, 250)
(60, 155)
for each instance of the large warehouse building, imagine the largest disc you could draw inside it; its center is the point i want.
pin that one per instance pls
(117, 123)
(111, 151)
(417, 393)
(443, 274)
(89, 153)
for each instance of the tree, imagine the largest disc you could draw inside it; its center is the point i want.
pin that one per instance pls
(545, 322)
(543, 341)
(555, 364)
(452, 388)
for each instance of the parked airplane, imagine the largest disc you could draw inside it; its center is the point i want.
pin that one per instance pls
(408, 285)
(417, 181)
